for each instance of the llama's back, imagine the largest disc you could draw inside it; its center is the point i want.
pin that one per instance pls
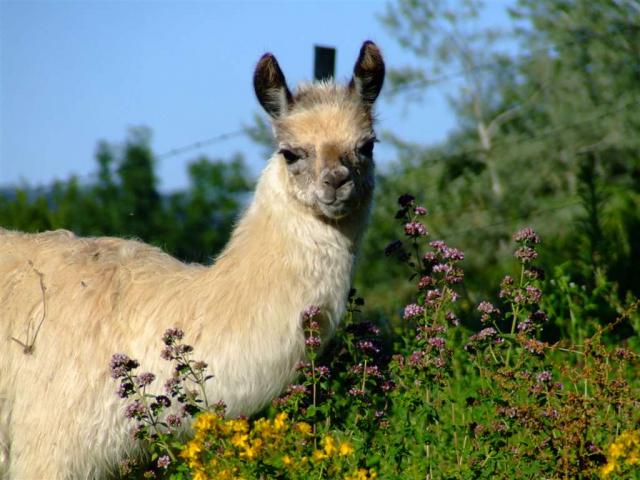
(36, 269)
(65, 307)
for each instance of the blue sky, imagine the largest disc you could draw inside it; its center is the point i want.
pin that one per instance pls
(73, 73)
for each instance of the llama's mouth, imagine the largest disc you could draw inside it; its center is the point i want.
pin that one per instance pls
(335, 210)
(335, 203)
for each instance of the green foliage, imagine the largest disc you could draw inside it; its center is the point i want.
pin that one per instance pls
(124, 200)
(547, 137)
(429, 398)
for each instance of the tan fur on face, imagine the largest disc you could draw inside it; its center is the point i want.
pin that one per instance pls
(324, 113)
(88, 298)
(328, 123)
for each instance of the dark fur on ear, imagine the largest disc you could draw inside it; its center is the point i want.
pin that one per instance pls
(271, 86)
(368, 73)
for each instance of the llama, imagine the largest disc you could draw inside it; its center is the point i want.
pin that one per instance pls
(68, 303)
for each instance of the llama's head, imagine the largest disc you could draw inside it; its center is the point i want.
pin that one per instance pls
(324, 133)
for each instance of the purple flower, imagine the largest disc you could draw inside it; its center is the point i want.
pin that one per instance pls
(164, 461)
(145, 379)
(415, 359)
(526, 254)
(429, 258)
(301, 365)
(539, 316)
(405, 200)
(525, 326)
(356, 392)
(454, 276)
(534, 294)
(388, 386)
(440, 362)
(415, 229)
(167, 353)
(425, 282)
(173, 420)
(533, 273)
(483, 334)
(121, 364)
(452, 319)
(420, 210)
(182, 349)
(438, 245)
(172, 386)
(311, 312)
(454, 254)
(544, 377)
(322, 371)
(134, 410)
(442, 268)
(172, 335)
(412, 311)
(427, 331)
(432, 296)
(312, 342)
(437, 342)
(486, 307)
(163, 401)
(371, 370)
(367, 346)
(125, 389)
(526, 235)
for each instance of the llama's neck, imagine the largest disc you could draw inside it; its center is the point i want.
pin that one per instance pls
(281, 259)
(305, 259)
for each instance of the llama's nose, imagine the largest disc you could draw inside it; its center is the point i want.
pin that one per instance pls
(335, 177)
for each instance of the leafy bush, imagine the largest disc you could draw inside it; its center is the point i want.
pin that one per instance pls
(424, 398)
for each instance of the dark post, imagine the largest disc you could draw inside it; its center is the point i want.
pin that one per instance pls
(325, 63)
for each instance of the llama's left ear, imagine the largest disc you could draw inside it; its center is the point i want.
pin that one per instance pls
(271, 86)
(368, 73)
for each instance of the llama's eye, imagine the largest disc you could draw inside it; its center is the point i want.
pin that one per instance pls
(366, 149)
(289, 156)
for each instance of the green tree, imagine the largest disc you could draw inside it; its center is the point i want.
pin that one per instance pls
(124, 200)
(546, 136)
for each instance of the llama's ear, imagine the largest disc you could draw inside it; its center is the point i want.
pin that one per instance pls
(368, 73)
(271, 86)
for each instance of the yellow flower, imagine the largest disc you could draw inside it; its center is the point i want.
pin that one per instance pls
(249, 452)
(318, 455)
(191, 450)
(240, 440)
(240, 425)
(287, 460)
(262, 426)
(625, 450)
(257, 443)
(304, 428)
(607, 469)
(280, 422)
(616, 450)
(199, 475)
(329, 445)
(345, 449)
(362, 474)
(205, 422)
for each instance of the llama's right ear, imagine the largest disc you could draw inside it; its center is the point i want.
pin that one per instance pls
(368, 73)
(271, 86)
